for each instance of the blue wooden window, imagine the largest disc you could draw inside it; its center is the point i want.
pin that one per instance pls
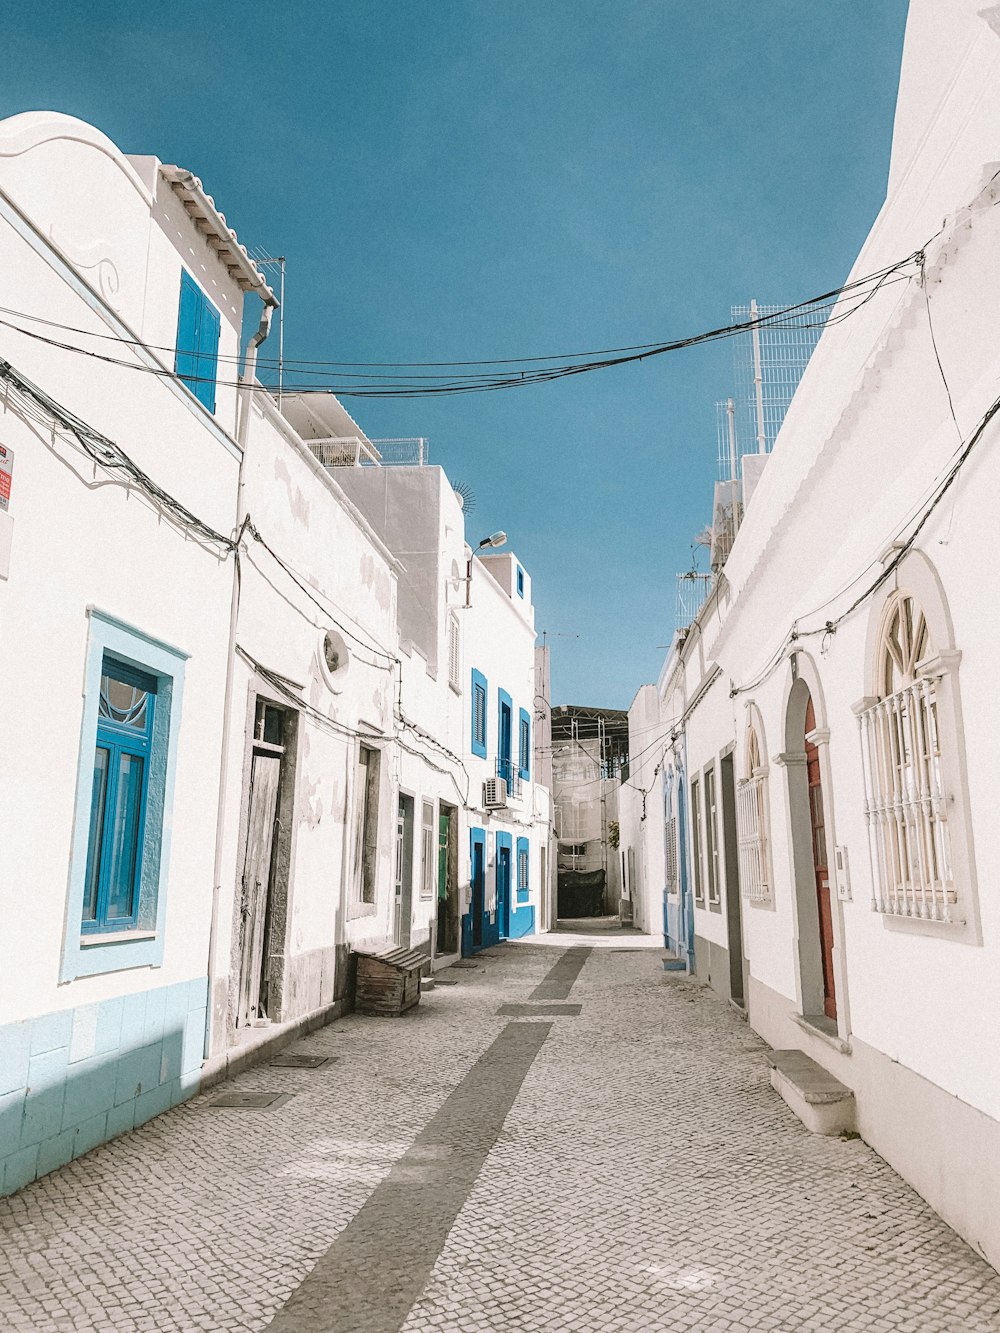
(118, 798)
(523, 865)
(504, 737)
(520, 581)
(524, 745)
(478, 714)
(198, 325)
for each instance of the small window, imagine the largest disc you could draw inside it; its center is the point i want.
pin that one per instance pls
(428, 859)
(524, 746)
(197, 355)
(479, 714)
(520, 581)
(118, 806)
(523, 869)
(366, 824)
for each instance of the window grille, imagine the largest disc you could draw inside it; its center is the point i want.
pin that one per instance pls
(751, 839)
(751, 825)
(522, 869)
(906, 804)
(671, 835)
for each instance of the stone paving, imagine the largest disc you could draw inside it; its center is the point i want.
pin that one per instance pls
(645, 1177)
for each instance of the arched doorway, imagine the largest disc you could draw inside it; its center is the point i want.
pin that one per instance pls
(821, 872)
(808, 811)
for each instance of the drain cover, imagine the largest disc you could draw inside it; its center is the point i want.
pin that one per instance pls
(251, 1101)
(465, 962)
(445, 981)
(289, 1060)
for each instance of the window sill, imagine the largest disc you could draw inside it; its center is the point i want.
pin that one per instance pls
(116, 937)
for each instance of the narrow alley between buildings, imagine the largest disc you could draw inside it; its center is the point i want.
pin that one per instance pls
(561, 1135)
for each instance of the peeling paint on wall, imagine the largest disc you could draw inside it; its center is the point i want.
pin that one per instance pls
(297, 502)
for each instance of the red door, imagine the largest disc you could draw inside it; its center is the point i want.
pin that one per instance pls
(820, 867)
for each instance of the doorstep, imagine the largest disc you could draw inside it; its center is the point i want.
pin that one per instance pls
(822, 1102)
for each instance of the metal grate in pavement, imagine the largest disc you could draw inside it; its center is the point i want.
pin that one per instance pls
(251, 1101)
(291, 1060)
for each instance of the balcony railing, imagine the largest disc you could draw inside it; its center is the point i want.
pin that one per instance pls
(354, 451)
(507, 769)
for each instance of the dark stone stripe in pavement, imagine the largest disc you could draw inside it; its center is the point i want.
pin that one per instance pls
(558, 981)
(375, 1270)
(540, 1010)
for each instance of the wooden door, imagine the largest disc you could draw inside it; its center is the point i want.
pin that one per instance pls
(264, 775)
(823, 901)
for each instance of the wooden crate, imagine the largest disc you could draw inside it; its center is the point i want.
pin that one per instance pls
(388, 981)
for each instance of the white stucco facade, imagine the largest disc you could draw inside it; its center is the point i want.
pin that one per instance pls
(868, 530)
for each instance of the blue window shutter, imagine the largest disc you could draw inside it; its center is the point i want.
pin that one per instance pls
(188, 329)
(197, 356)
(208, 354)
(523, 870)
(479, 701)
(520, 581)
(524, 747)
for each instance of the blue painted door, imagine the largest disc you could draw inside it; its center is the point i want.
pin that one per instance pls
(477, 907)
(505, 739)
(503, 892)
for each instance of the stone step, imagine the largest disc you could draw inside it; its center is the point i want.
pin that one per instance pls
(822, 1102)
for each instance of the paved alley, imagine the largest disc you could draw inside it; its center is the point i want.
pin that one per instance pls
(561, 1136)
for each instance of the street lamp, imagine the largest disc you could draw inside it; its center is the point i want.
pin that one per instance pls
(494, 539)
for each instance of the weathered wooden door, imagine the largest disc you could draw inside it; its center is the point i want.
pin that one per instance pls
(477, 905)
(403, 899)
(264, 775)
(823, 901)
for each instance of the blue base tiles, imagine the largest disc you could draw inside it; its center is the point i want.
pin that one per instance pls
(19, 1168)
(15, 1051)
(121, 1118)
(56, 1152)
(71, 1079)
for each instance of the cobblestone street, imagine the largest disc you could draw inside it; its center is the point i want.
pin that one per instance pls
(621, 1167)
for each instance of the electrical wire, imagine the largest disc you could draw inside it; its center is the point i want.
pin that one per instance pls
(522, 372)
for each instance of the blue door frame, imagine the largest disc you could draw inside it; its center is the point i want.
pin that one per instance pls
(504, 855)
(476, 935)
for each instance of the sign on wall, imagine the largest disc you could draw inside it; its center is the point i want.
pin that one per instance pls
(6, 470)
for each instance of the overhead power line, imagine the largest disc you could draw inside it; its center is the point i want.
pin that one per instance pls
(433, 378)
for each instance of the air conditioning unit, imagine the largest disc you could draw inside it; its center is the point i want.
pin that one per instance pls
(494, 794)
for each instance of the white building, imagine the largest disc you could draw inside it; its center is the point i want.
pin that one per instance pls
(117, 581)
(828, 780)
(261, 742)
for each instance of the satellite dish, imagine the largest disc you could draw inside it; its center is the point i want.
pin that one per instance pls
(466, 498)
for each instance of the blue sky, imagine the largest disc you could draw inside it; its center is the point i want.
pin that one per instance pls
(494, 178)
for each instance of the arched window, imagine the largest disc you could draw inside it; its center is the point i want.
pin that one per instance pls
(907, 804)
(751, 823)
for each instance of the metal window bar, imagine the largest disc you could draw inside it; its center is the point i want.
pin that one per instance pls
(507, 769)
(672, 876)
(906, 806)
(751, 840)
(692, 589)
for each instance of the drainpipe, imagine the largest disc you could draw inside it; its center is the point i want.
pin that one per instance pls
(243, 407)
